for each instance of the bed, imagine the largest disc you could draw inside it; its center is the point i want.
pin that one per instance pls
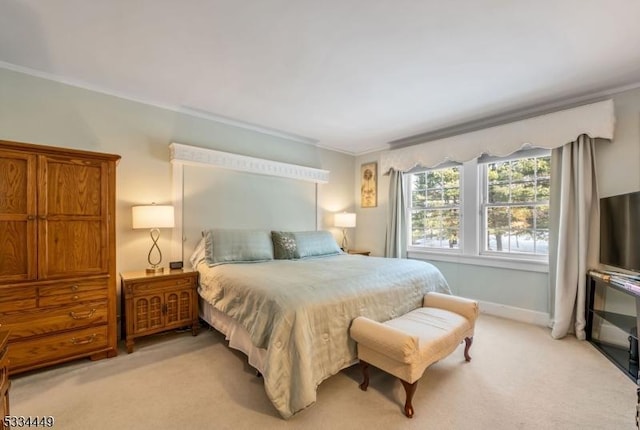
(291, 316)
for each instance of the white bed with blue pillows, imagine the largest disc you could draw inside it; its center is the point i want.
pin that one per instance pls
(287, 299)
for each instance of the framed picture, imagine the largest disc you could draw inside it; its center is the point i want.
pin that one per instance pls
(369, 185)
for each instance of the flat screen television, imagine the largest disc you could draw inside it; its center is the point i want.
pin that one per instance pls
(620, 231)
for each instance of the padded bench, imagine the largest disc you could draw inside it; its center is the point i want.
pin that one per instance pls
(407, 345)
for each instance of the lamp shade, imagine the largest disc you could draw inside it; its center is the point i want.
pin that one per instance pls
(345, 220)
(152, 216)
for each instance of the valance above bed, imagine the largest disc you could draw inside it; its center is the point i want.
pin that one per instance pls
(546, 131)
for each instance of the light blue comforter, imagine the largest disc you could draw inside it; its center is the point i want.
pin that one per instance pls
(300, 311)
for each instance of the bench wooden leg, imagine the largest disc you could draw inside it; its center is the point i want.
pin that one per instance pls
(409, 389)
(468, 341)
(365, 373)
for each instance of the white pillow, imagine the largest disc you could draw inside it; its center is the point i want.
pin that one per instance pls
(199, 254)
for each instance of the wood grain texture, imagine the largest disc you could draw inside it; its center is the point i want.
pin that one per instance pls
(57, 254)
(17, 216)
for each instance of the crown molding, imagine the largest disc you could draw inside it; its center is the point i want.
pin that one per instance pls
(179, 109)
(193, 155)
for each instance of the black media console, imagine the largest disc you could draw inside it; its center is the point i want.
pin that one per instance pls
(613, 331)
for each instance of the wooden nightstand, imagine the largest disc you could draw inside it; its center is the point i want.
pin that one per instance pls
(358, 252)
(157, 302)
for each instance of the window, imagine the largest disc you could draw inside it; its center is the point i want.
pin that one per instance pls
(486, 208)
(515, 205)
(435, 208)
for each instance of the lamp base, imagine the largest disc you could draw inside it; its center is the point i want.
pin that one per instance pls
(155, 269)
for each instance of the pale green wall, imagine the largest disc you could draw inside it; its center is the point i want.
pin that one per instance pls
(40, 111)
(49, 113)
(618, 171)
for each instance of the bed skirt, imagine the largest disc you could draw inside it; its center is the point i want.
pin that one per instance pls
(237, 336)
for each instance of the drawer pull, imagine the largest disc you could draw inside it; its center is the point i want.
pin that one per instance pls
(74, 288)
(78, 316)
(75, 298)
(83, 341)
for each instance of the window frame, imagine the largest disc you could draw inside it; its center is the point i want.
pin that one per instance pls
(483, 182)
(409, 208)
(471, 226)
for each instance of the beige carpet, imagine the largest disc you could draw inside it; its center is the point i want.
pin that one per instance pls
(519, 378)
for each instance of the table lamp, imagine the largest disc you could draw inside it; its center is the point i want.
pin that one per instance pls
(345, 220)
(154, 217)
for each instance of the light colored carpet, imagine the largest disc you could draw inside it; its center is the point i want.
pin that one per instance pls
(519, 378)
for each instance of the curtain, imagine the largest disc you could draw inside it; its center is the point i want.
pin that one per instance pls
(396, 238)
(575, 213)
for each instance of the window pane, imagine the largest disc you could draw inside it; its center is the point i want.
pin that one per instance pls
(497, 228)
(452, 239)
(522, 241)
(499, 193)
(542, 242)
(523, 169)
(418, 198)
(451, 177)
(451, 196)
(544, 167)
(542, 190)
(542, 217)
(523, 192)
(521, 218)
(499, 172)
(418, 181)
(434, 198)
(438, 191)
(434, 179)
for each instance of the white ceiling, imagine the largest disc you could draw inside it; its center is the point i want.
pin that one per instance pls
(346, 74)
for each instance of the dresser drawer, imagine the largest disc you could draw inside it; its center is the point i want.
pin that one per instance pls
(144, 286)
(44, 321)
(57, 347)
(72, 292)
(16, 298)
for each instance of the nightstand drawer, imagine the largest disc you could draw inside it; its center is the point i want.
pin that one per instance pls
(17, 298)
(58, 347)
(44, 321)
(144, 286)
(73, 292)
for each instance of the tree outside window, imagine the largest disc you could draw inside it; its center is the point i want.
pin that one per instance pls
(516, 206)
(435, 208)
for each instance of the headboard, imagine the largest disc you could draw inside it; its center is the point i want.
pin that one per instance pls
(213, 189)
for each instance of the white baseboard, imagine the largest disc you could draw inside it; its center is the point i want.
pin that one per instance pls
(517, 314)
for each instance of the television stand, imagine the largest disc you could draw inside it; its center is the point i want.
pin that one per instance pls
(612, 331)
(621, 275)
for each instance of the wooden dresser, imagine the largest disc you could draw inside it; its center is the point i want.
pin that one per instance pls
(57, 254)
(4, 377)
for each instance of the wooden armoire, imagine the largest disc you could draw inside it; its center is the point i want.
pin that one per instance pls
(57, 254)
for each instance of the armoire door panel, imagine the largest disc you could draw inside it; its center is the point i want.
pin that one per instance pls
(17, 216)
(73, 187)
(14, 262)
(72, 247)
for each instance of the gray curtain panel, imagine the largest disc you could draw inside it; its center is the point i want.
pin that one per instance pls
(396, 238)
(575, 214)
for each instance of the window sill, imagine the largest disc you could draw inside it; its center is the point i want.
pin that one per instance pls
(481, 260)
